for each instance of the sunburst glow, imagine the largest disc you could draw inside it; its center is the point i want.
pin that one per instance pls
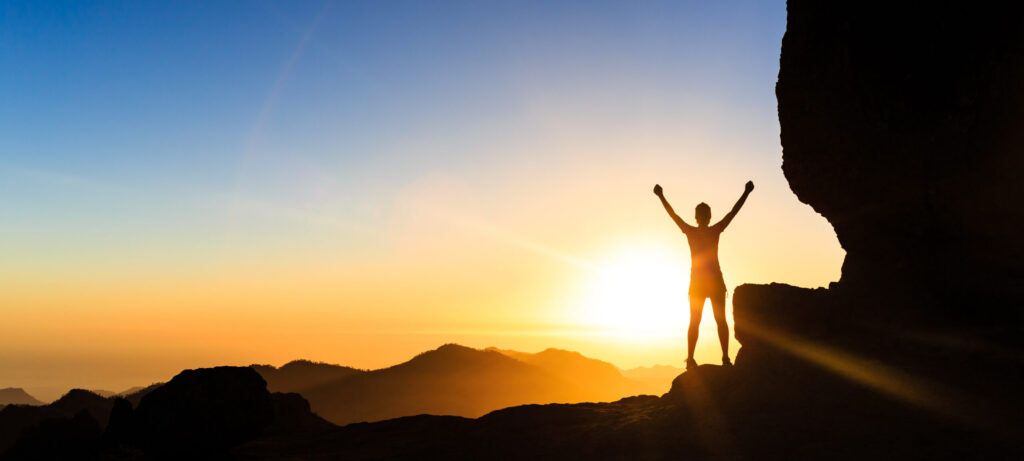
(637, 293)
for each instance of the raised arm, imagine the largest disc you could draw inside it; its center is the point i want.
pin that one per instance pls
(668, 208)
(721, 225)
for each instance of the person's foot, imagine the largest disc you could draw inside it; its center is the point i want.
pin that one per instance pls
(726, 362)
(691, 364)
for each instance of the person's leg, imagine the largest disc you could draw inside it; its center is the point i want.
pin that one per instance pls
(718, 307)
(696, 310)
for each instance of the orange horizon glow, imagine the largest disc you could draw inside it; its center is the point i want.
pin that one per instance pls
(618, 295)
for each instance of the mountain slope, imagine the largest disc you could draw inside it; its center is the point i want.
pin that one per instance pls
(301, 375)
(596, 379)
(16, 418)
(451, 380)
(17, 396)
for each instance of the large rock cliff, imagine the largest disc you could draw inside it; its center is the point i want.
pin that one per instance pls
(903, 125)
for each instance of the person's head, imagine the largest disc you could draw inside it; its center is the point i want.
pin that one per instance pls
(702, 214)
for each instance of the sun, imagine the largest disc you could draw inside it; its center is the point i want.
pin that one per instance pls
(637, 293)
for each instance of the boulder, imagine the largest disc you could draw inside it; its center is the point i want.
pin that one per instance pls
(203, 411)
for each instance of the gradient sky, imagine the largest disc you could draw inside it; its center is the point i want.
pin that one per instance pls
(190, 184)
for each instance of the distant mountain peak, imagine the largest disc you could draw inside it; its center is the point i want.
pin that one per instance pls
(301, 375)
(17, 396)
(78, 398)
(304, 363)
(554, 350)
(456, 355)
(453, 348)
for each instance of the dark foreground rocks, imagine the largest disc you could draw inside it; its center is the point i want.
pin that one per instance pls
(200, 414)
(74, 419)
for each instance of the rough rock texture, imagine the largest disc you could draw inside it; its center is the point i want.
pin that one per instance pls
(902, 124)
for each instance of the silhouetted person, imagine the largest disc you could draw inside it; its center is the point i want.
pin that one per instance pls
(705, 273)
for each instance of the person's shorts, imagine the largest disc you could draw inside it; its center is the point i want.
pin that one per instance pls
(707, 287)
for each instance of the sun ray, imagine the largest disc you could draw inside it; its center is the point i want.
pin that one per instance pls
(895, 383)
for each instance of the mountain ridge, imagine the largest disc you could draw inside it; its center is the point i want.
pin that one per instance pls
(451, 380)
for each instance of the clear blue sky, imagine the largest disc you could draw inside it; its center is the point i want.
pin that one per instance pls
(174, 94)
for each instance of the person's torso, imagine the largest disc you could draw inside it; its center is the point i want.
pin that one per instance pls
(704, 252)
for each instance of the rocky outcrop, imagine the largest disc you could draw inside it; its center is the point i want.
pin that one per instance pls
(292, 414)
(203, 411)
(901, 124)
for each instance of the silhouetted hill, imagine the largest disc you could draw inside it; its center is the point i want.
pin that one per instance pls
(658, 377)
(199, 414)
(436, 381)
(14, 419)
(135, 394)
(79, 399)
(301, 375)
(451, 380)
(130, 391)
(106, 393)
(597, 380)
(17, 396)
